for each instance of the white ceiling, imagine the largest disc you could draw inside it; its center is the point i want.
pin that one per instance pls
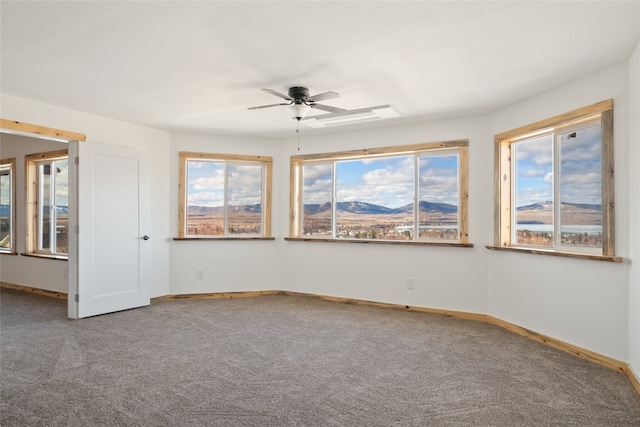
(197, 66)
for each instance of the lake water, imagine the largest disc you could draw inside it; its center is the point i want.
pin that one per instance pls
(535, 228)
(548, 228)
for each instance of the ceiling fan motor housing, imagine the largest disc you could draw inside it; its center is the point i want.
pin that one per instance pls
(299, 94)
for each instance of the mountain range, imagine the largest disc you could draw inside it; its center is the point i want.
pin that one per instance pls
(61, 210)
(543, 206)
(207, 210)
(360, 208)
(364, 208)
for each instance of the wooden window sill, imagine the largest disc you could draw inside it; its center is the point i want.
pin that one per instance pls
(592, 257)
(8, 253)
(380, 242)
(223, 238)
(45, 256)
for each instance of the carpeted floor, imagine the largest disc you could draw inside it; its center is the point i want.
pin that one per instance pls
(289, 361)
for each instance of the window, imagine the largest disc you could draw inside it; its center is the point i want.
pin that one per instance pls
(555, 184)
(224, 196)
(372, 194)
(48, 203)
(7, 205)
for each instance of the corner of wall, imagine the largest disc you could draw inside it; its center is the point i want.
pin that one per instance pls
(634, 207)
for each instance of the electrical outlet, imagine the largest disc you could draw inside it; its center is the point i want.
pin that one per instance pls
(199, 273)
(411, 283)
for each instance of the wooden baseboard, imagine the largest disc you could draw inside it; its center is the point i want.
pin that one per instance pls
(451, 313)
(53, 294)
(214, 295)
(635, 379)
(582, 353)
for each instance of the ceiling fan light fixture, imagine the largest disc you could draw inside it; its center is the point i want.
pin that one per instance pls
(298, 110)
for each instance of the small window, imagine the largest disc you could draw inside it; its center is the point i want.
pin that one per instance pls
(555, 188)
(409, 193)
(7, 206)
(225, 196)
(48, 203)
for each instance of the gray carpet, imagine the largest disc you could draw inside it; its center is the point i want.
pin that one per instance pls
(289, 361)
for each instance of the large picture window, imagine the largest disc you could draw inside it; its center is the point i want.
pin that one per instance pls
(48, 203)
(555, 188)
(409, 193)
(224, 195)
(7, 205)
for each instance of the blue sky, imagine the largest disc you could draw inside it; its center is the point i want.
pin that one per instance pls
(580, 168)
(384, 181)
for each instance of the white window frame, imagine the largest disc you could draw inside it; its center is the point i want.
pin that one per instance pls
(459, 147)
(34, 208)
(228, 160)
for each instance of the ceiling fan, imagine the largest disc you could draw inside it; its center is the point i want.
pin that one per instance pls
(300, 102)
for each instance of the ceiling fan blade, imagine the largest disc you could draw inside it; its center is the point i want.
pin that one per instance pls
(323, 96)
(266, 106)
(281, 95)
(329, 108)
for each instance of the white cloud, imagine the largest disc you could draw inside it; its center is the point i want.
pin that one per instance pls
(384, 195)
(388, 177)
(314, 172)
(207, 183)
(318, 192)
(211, 199)
(439, 188)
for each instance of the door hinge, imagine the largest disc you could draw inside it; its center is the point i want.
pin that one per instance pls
(77, 298)
(77, 160)
(77, 229)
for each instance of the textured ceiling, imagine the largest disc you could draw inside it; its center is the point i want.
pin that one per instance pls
(197, 66)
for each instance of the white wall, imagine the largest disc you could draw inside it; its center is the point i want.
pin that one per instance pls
(41, 273)
(582, 302)
(634, 223)
(229, 266)
(107, 131)
(451, 278)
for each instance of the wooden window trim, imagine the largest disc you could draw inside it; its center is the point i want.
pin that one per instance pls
(46, 256)
(31, 170)
(593, 257)
(267, 161)
(502, 178)
(12, 167)
(13, 126)
(380, 151)
(381, 242)
(209, 238)
(295, 189)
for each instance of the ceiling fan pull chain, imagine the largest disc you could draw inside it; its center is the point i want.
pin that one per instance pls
(298, 132)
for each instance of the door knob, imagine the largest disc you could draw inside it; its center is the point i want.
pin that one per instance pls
(145, 237)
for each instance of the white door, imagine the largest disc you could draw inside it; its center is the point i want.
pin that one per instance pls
(113, 252)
